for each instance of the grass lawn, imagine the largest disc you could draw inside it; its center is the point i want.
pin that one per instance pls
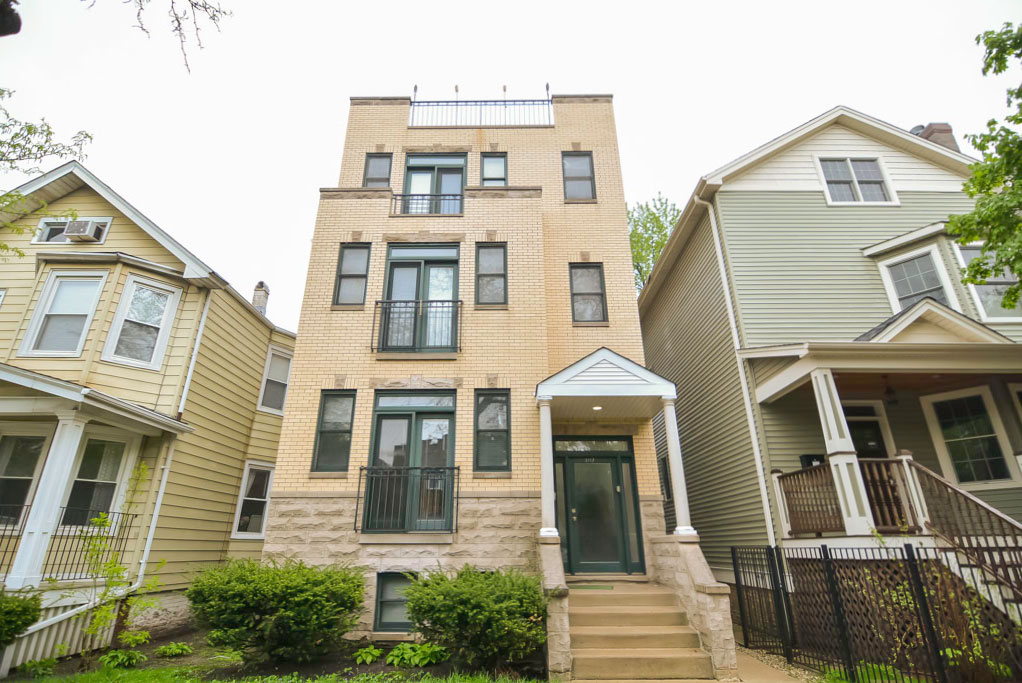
(193, 675)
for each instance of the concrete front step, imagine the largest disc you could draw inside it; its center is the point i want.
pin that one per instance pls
(605, 578)
(622, 596)
(641, 663)
(620, 637)
(612, 615)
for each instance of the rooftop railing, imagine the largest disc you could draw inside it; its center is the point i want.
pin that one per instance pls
(481, 113)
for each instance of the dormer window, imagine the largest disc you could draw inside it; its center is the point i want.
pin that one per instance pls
(915, 275)
(855, 181)
(51, 230)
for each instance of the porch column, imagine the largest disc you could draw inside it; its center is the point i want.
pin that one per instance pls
(682, 520)
(27, 568)
(548, 523)
(844, 465)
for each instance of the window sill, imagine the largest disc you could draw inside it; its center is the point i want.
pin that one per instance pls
(400, 636)
(128, 364)
(248, 537)
(347, 307)
(328, 475)
(986, 485)
(830, 203)
(270, 411)
(491, 475)
(427, 538)
(594, 323)
(427, 215)
(422, 355)
(491, 307)
(580, 201)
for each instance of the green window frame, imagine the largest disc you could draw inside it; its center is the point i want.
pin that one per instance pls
(374, 177)
(352, 273)
(332, 451)
(578, 186)
(389, 593)
(581, 292)
(490, 177)
(492, 430)
(489, 274)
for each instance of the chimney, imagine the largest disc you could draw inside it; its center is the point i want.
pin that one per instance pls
(260, 296)
(939, 133)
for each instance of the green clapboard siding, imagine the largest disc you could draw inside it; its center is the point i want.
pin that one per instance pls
(688, 340)
(796, 263)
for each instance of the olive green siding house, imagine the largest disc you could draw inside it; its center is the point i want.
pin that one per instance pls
(835, 377)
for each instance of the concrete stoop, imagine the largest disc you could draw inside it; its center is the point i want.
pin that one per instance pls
(632, 631)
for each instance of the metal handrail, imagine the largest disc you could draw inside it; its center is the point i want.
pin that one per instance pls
(75, 551)
(481, 113)
(407, 499)
(427, 204)
(12, 524)
(418, 325)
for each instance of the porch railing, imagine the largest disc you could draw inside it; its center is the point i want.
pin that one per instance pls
(888, 494)
(85, 540)
(417, 326)
(12, 522)
(811, 500)
(481, 113)
(427, 204)
(407, 499)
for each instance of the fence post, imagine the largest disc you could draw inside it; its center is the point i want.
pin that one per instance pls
(929, 632)
(741, 595)
(780, 588)
(839, 613)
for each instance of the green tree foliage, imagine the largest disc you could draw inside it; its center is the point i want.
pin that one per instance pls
(17, 613)
(649, 226)
(996, 219)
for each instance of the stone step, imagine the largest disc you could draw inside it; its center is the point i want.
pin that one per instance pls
(626, 616)
(621, 596)
(641, 664)
(621, 637)
(605, 578)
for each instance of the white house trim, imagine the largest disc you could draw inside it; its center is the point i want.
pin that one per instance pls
(43, 306)
(938, 264)
(279, 351)
(888, 187)
(166, 324)
(956, 248)
(37, 237)
(880, 248)
(249, 465)
(633, 379)
(954, 322)
(132, 444)
(22, 428)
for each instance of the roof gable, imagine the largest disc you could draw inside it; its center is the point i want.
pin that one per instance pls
(605, 372)
(929, 321)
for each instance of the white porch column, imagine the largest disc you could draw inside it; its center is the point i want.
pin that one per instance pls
(548, 523)
(844, 465)
(682, 520)
(26, 570)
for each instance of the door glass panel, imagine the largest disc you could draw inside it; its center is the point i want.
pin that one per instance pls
(868, 439)
(439, 311)
(450, 184)
(400, 317)
(435, 437)
(595, 512)
(392, 443)
(631, 524)
(420, 187)
(596, 445)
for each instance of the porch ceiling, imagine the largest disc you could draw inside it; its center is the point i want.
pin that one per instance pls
(611, 407)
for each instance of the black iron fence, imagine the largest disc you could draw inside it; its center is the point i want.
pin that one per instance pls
(12, 523)
(85, 540)
(881, 614)
(407, 499)
(427, 204)
(481, 113)
(417, 326)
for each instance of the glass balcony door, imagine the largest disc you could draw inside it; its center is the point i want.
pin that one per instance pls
(420, 311)
(434, 184)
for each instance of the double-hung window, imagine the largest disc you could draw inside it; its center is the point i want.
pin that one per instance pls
(253, 501)
(493, 169)
(96, 481)
(141, 327)
(275, 381)
(579, 183)
(391, 603)
(491, 274)
(588, 301)
(333, 434)
(64, 313)
(377, 171)
(855, 181)
(21, 457)
(493, 430)
(916, 275)
(988, 296)
(352, 271)
(51, 230)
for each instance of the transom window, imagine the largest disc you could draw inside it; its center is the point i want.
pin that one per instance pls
(333, 436)
(20, 457)
(916, 279)
(579, 182)
(63, 314)
(855, 180)
(969, 436)
(51, 231)
(95, 484)
(275, 380)
(493, 169)
(989, 295)
(352, 271)
(377, 171)
(491, 274)
(588, 301)
(493, 430)
(141, 328)
(253, 501)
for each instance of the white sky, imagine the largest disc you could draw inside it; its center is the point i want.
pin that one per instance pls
(228, 159)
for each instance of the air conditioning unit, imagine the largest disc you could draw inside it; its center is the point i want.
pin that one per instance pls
(84, 231)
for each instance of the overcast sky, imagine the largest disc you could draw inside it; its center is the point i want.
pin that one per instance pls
(228, 159)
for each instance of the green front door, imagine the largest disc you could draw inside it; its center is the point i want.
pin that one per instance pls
(597, 505)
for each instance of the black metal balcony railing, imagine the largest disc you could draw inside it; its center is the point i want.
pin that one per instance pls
(407, 499)
(427, 204)
(482, 113)
(12, 523)
(79, 546)
(414, 326)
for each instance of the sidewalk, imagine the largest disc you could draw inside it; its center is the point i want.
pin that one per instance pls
(752, 670)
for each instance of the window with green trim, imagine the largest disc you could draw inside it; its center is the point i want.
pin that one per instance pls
(352, 271)
(333, 433)
(588, 298)
(491, 274)
(579, 182)
(377, 171)
(391, 603)
(493, 170)
(493, 430)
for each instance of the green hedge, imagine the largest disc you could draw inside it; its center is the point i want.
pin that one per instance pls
(286, 612)
(17, 613)
(481, 618)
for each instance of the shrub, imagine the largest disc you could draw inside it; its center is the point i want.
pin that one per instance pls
(401, 655)
(282, 612)
(39, 668)
(17, 613)
(173, 650)
(368, 654)
(122, 659)
(481, 618)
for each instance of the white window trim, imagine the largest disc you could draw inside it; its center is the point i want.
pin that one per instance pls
(995, 419)
(43, 305)
(37, 237)
(122, 311)
(955, 247)
(3, 294)
(893, 201)
(131, 449)
(249, 535)
(880, 417)
(29, 429)
(280, 351)
(938, 263)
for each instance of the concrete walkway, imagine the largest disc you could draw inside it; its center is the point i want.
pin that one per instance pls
(751, 670)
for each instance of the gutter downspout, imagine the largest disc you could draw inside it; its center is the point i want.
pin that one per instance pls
(743, 378)
(195, 354)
